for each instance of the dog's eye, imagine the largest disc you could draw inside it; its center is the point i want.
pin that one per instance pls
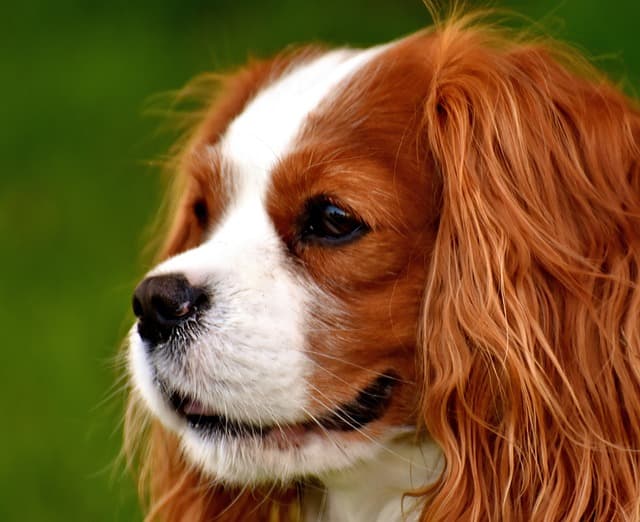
(326, 223)
(201, 212)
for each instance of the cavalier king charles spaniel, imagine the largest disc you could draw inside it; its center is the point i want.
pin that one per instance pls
(400, 283)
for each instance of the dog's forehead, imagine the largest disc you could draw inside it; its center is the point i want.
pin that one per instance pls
(266, 130)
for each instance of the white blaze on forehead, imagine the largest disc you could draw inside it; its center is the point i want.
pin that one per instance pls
(264, 131)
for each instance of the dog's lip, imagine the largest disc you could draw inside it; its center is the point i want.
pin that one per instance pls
(194, 407)
(201, 418)
(369, 405)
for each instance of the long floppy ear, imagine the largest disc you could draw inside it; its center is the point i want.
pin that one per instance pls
(531, 326)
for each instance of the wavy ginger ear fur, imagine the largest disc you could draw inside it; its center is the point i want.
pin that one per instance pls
(530, 333)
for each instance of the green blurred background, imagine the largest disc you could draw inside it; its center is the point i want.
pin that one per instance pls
(77, 193)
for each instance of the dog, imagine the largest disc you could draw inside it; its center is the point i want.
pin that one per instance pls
(401, 283)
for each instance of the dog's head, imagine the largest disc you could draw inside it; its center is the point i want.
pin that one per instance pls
(437, 233)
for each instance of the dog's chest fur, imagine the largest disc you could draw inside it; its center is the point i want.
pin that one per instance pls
(374, 491)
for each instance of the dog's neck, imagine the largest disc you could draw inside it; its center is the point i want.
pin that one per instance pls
(373, 491)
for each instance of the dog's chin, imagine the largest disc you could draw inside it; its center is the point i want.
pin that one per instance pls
(290, 454)
(241, 451)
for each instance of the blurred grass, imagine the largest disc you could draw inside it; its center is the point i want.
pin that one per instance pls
(76, 194)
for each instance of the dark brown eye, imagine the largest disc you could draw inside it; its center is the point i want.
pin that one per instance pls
(325, 222)
(201, 212)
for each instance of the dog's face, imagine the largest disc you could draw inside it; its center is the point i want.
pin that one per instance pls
(279, 340)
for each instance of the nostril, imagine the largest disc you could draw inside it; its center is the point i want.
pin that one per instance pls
(172, 307)
(200, 299)
(183, 310)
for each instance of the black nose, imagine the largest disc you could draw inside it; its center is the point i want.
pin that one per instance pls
(163, 303)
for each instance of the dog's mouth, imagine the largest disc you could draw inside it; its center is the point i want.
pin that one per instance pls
(369, 405)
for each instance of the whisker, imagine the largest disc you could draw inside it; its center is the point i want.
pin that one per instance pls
(370, 371)
(327, 432)
(354, 426)
(119, 387)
